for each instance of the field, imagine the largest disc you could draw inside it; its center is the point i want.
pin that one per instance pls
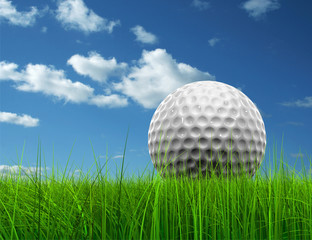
(272, 206)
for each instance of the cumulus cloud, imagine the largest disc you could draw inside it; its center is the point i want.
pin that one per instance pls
(306, 103)
(258, 8)
(48, 80)
(6, 169)
(74, 14)
(147, 81)
(213, 41)
(24, 120)
(96, 67)
(201, 5)
(52, 82)
(294, 123)
(8, 71)
(297, 155)
(26, 172)
(44, 29)
(156, 75)
(111, 101)
(143, 36)
(24, 19)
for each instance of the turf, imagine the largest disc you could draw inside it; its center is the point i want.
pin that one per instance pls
(277, 205)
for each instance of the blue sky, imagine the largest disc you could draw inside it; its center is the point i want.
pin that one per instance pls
(72, 71)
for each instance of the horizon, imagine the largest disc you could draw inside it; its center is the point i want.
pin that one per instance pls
(81, 71)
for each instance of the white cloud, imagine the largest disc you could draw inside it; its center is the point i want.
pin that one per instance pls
(264, 114)
(201, 5)
(115, 157)
(297, 155)
(258, 8)
(148, 82)
(8, 71)
(143, 36)
(306, 102)
(295, 123)
(157, 75)
(74, 14)
(51, 82)
(26, 172)
(44, 29)
(213, 41)
(24, 19)
(6, 169)
(13, 118)
(111, 101)
(46, 79)
(96, 66)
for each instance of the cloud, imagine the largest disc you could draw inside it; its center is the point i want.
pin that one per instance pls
(8, 71)
(148, 81)
(9, 13)
(48, 80)
(201, 5)
(74, 14)
(306, 103)
(44, 29)
(295, 123)
(297, 155)
(13, 118)
(115, 157)
(213, 41)
(96, 67)
(109, 101)
(143, 36)
(6, 170)
(23, 19)
(52, 82)
(258, 8)
(264, 114)
(156, 75)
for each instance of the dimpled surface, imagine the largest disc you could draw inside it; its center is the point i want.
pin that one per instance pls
(205, 124)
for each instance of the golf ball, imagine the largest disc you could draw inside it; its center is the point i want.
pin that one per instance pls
(206, 125)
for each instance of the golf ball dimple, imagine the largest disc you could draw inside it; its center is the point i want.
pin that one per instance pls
(202, 124)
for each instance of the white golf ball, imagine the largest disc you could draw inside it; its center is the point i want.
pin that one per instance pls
(204, 125)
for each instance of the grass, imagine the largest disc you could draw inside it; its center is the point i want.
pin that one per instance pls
(277, 206)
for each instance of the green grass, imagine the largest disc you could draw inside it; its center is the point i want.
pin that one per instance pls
(274, 206)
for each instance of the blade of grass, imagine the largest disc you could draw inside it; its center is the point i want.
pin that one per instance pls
(13, 230)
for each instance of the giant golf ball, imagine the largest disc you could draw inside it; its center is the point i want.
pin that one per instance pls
(206, 126)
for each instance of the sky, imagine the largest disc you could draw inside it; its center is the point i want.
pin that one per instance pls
(77, 74)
